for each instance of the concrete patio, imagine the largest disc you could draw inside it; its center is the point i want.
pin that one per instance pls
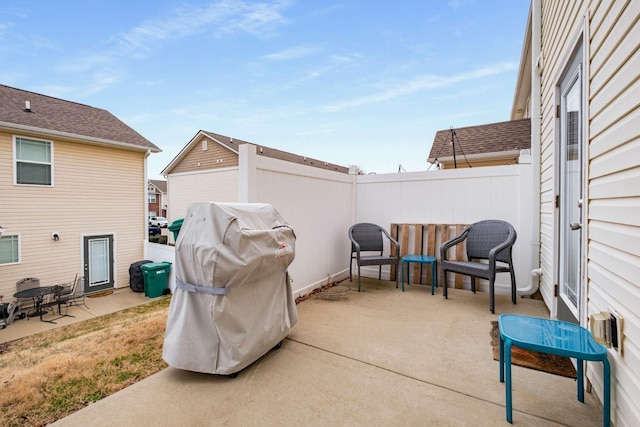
(381, 357)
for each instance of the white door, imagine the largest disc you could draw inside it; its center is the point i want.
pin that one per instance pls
(570, 197)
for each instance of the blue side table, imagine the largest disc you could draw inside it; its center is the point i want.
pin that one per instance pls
(551, 337)
(421, 259)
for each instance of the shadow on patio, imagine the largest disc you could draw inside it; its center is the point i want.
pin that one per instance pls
(379, 357)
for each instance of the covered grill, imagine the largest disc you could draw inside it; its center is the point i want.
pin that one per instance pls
(233, 301)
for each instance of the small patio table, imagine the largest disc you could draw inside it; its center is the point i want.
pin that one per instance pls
(421, 259)
(38, 294)
(551, 337)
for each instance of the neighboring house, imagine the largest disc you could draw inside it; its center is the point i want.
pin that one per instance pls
(579, 82)
(484, 145)
(206, 169)
(72, 193)
(157, 197)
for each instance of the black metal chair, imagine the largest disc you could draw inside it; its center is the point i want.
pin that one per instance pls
(491, 241)
(367, 237)
(71, 294)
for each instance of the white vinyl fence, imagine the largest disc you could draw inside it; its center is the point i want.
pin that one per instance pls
(321, 205)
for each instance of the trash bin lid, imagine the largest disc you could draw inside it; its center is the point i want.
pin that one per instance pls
(155, 265)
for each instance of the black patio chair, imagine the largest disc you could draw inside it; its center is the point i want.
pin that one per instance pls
(367, 237)
(491, 241)
(72, 294)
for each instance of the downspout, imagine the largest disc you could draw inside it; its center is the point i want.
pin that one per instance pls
(536, 70)
(146, 206)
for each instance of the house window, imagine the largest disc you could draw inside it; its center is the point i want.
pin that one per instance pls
(34, 162)
(9, 249)
(152, 197)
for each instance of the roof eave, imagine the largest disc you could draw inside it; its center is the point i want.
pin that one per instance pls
(500, 155)
(13, 127)
(523, 82)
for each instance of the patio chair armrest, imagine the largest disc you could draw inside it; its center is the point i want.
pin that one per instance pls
(391, 239)
(355, 247)
(444, 247)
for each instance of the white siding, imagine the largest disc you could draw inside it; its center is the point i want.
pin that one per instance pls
(614, 189)
(612, 31)
(561, 22)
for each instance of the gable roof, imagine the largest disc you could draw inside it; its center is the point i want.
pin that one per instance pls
(233, 144)
(483, 141)
(160, 184)
(59, 118)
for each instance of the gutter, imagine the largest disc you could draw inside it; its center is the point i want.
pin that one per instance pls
(499, 155)
(75, 137)
(536, 71)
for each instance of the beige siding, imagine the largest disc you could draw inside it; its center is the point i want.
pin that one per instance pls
(213, 185)
(215, 156)
(97, 190)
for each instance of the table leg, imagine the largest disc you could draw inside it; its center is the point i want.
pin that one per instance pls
(501, 358)
(607, 392)
(41, 312)
(403, 265)
(507, 363)
(580, 378)
(433, 277)
(39, 307)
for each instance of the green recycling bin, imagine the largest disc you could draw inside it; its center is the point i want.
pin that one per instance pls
(156, 276)
(175, 228)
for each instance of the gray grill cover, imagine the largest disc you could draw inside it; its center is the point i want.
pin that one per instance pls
(233, 300)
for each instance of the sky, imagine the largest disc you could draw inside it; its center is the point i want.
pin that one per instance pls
(351, 82)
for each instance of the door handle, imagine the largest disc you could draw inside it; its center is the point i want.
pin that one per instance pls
(575, 226)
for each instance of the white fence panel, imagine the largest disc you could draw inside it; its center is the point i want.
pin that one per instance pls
(321, 205)
(461, 196)
(317, 203)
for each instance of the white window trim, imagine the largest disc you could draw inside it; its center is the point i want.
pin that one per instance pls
(2, 264)
(15, 160)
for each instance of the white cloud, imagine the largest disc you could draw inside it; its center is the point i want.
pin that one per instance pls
(226, 16)
(293, 53)
(421, 83)
(218, 17)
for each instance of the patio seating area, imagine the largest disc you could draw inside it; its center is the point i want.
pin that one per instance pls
(376, 357)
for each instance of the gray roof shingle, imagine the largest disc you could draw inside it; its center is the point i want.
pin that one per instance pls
(49, 114)
(483, 139)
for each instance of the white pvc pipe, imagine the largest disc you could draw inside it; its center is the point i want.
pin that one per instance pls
(536, 48)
